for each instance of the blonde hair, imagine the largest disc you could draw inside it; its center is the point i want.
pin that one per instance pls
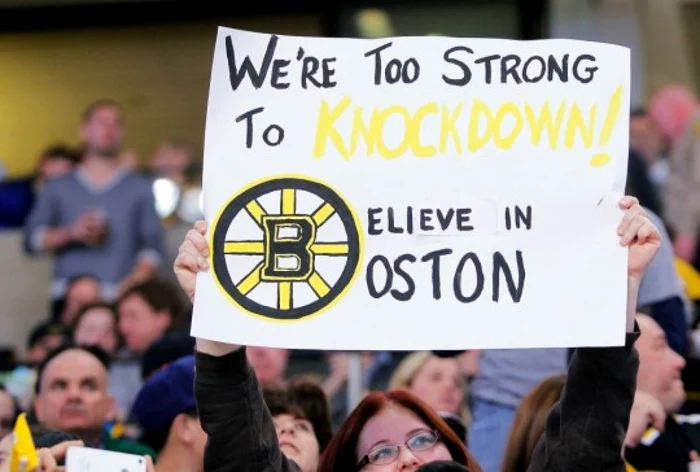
(409, 367)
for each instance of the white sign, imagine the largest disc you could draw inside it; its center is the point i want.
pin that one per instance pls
(414, 193)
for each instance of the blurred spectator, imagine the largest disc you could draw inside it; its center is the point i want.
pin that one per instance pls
(172, 160)
(166, 411)
(676, 113)
(81, 290)
(72, 397)
(382, 368)
(529, 423)
(437, 381)
(56, 161)
(335, 384)
(100, 218)
(96, 325)
(146, 313)
(129, 160)
(43, 339)
(302, 421)
(505, 377)
(167, 349)
(661, 292)
(17, 196)
(20, 385)
(45, 437)
(639, 184)
(645, 139)
(16, 201)
(660, 376)
(8, 412)
(269, 364)
(469, 362)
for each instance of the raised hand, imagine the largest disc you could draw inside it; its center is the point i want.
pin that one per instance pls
(637, 232)
(192, 258)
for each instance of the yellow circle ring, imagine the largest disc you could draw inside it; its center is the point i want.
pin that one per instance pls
(355, 224)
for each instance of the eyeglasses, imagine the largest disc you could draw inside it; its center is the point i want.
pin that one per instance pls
(386, 454)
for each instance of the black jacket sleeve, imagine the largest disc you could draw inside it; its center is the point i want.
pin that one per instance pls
(242, 436)
(585, 431)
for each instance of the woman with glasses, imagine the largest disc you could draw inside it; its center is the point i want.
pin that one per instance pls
(390, 430)
(396, 431)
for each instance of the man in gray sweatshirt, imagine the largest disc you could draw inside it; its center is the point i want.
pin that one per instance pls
(100, 219)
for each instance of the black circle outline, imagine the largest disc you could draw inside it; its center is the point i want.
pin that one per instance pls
(235, 206)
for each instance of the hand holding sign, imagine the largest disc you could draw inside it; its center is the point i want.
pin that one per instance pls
(638, 232)
(192, 257)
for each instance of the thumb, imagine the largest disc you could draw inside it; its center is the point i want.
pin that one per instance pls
(694, 456)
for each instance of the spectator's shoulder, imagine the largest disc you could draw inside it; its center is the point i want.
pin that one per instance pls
(60, 183)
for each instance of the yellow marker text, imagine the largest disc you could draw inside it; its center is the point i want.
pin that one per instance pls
(466, 127)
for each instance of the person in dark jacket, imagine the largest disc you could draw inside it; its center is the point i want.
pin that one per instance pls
(585, 431)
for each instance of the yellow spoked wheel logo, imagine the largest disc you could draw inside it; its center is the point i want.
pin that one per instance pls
(286, 248)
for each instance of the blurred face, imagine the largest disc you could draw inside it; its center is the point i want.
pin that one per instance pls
(170, 161)
(7, 414)
(396, 425)
(139, 324)
(73, 394)
(298, 441)
(439, 383)
(659, 366)
(645, 138)
(268, 363)
(53, 167)
(81, 293)
(97, 327)
(104, 132)
(38, 352)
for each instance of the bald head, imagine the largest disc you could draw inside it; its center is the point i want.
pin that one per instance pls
(659, 366)
(72, 393)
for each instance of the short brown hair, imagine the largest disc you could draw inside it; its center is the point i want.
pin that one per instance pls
(302, 399)
(159, 294)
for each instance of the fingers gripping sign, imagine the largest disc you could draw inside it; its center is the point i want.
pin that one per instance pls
(638, 232)
(192, 258)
